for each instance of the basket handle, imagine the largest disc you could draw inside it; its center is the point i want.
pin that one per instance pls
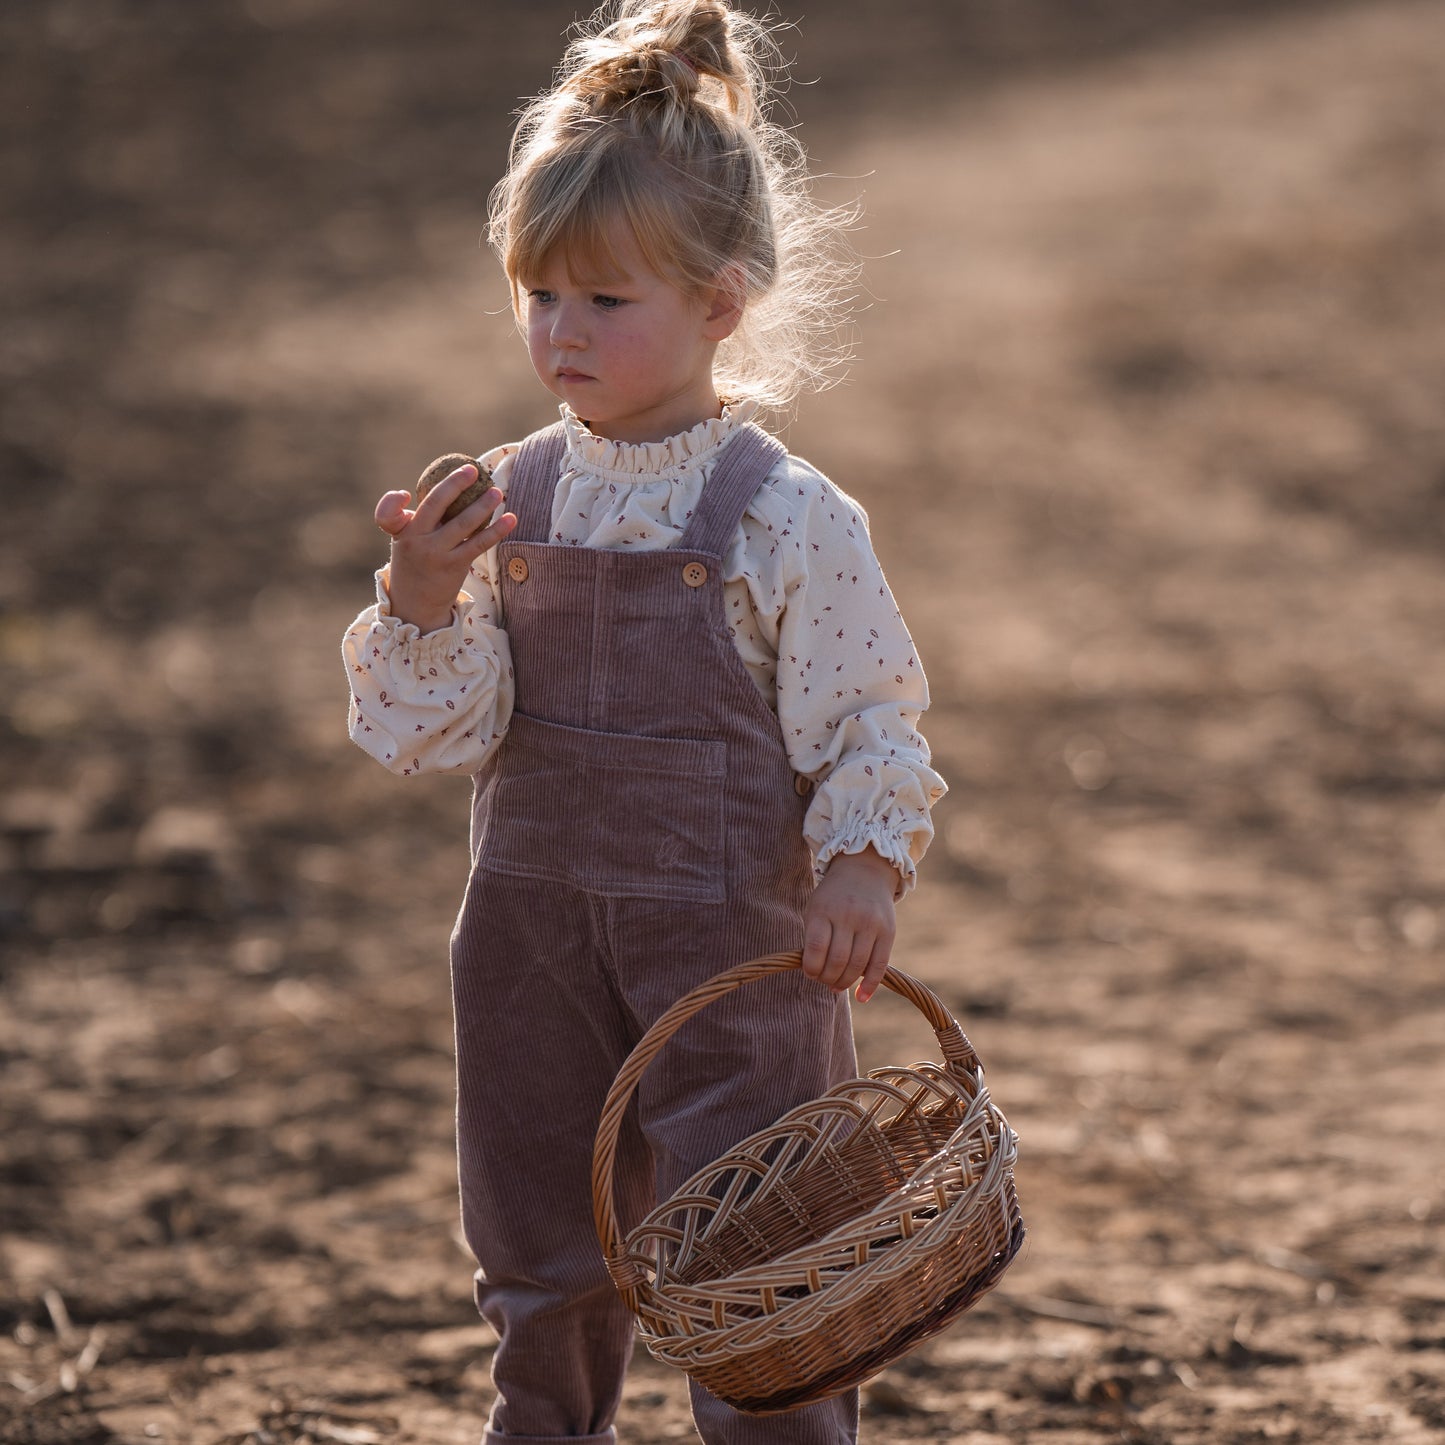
(958, 1054)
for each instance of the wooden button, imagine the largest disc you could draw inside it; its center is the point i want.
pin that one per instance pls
(802, 786)
(517, 569)
(694, 574)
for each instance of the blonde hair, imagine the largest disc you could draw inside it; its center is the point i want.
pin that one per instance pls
(657, 118)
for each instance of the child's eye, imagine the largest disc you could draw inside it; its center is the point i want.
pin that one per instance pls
(608, 303)
(538, 295)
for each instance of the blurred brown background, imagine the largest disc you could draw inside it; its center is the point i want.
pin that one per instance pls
(1147, 416)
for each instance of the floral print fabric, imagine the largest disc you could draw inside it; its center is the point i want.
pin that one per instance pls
(807, 605)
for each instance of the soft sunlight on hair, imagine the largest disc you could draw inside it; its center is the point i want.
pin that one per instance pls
(657, 122)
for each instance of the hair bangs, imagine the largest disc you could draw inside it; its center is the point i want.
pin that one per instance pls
(578, 206)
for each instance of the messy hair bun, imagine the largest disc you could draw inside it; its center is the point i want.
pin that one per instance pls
(658, 119)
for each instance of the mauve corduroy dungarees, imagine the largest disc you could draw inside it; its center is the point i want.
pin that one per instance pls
(638, 830)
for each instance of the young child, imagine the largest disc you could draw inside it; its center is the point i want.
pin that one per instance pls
(679, 678)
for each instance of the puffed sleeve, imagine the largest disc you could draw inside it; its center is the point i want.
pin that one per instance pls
(850, 689)
(437, 702)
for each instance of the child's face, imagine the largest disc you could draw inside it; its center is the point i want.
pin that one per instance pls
(630, 353)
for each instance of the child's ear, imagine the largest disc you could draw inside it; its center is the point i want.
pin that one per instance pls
(724, 305)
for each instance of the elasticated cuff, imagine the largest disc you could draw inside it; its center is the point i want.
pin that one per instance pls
(443, 639)
(887, 845)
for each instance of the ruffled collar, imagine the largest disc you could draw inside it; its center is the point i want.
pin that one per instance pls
(664, 460)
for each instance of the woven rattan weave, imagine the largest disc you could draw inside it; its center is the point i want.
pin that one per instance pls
(818, 1250)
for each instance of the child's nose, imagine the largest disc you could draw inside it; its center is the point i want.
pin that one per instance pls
(567, 333)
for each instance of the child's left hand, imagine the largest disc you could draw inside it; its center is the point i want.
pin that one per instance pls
(849, 926)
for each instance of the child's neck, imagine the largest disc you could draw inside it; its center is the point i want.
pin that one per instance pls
(679, 414)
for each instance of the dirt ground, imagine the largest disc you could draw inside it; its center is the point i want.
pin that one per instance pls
(1147, 416)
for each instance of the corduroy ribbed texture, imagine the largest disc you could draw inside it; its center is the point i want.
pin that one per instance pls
(637, 832)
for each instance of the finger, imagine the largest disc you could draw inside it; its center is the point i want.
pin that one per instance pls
(858, 959)
(477, 515)
(840, 955)
(488, 537)
(391, 514)
(873, 974)
(817, 934)
(446, 491)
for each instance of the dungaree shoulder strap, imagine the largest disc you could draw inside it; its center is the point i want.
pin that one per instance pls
(533, 482)
(742, 468)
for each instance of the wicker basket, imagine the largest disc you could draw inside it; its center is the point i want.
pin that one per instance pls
(817, 1251)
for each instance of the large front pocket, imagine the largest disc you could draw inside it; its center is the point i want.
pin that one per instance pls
(611, 813)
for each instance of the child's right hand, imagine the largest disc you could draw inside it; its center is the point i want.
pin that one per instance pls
(430, 557)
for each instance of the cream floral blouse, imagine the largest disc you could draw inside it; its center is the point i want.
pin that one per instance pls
(806, 600)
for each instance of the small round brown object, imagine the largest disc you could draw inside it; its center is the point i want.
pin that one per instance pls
(444, 467)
